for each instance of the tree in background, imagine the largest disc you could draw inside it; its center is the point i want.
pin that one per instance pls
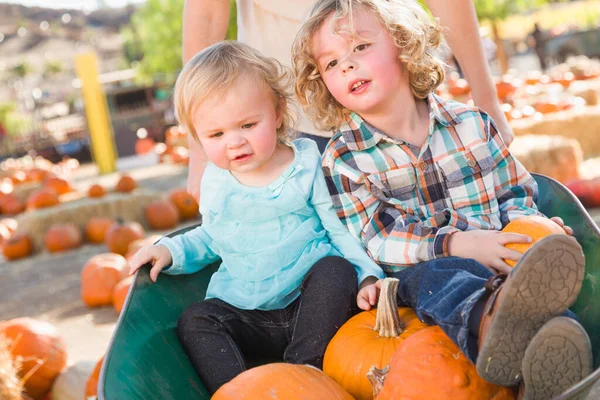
(154, 38)
(495, 11)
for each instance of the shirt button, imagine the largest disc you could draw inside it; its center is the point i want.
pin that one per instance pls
(471, 163)
(424, 166)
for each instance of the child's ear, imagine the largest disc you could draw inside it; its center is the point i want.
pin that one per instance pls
(281, 111)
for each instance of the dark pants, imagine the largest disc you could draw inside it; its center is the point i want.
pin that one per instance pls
(223, 341)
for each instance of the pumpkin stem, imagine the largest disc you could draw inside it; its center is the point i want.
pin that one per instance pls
(377, 377)
(388, 321)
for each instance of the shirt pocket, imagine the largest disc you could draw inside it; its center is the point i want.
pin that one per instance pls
(469, 181)
(394, 186)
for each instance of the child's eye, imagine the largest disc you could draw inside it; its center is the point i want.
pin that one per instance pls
(249, 126)
(216, 135)
(332, 64)
(361, 47)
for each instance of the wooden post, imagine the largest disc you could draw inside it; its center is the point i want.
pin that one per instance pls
(96, 111)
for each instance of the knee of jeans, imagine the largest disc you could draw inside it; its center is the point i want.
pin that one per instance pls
(333, 269)
(193, 317)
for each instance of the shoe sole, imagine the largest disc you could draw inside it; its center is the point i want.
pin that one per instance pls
(558, 357)
(543, 284)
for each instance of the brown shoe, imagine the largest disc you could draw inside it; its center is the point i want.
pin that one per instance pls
(558, 357)
(544, 283)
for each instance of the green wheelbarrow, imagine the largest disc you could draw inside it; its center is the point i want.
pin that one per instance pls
(145, 360)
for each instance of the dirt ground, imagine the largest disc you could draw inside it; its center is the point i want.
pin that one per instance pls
(47, 286)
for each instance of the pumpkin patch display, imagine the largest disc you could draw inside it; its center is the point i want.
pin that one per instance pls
(536, 227)
(62, 237)
(121, 234)
(428, 365)
(17, 246)
(161, 214)
(367, 340)
(40, 351)
(99, 276)
(96, 228)
(281, 381)
(185, 203)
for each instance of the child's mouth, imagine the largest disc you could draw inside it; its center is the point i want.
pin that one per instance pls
(242, 157)
(360, 86)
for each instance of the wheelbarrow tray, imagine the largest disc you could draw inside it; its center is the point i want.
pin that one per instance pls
(145, 361)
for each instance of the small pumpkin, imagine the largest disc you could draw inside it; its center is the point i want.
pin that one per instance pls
(17, 246)
(96, 191)
(369, 339)
(281, 381)
(428, 365)
(185, 203)
(62, 237)
(161, 214)
(61, 186)
(120, 234)
(125, 184)
(119, 293)
(42, 352)
(11, 205)
(42, 198)
(99, 276)
(91, 386)
(96, 228)
(144, 145)
(534, 226)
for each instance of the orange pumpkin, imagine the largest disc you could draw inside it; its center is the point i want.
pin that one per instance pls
(60, 186)
(99, 277)
(42, 351)
(119, 293)
(161, 214)
(185, 203)
(459, 87)
(120, 234)
(42, 198)
(281, 381)
(91, 386)
(96, 190)
(144, 145)
(535, 227)
(125, 184)
(505, 88)
(17, 246)
(62, 237)
(428, 365)
(96, 227)
(11, 205)
(369, 339)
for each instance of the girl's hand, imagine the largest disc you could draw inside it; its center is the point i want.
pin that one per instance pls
(560, 222)
(158, 255)
(487, 247)
(368, 295)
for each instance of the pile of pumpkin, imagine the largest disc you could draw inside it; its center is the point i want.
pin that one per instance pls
(34, 364)
(174, 149)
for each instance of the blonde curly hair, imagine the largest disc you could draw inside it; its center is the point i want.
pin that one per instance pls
(215, 69)
(413, 31)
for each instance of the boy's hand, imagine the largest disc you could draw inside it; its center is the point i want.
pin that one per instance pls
(560, 222)
(368, 295)
(487, 247)
(158, 255)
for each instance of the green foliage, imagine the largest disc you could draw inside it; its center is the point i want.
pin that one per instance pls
(15, 123)
(497, 10)
(21, 69)
(53, 67)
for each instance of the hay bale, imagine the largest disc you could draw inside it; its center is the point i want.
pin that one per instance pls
(590, 168)
(554, 156)
(580, 124)
(129, 206)
(11, 385)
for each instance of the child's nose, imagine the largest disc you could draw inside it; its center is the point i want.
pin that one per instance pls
(235, 141)
(348, 65)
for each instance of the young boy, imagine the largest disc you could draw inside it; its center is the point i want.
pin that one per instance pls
(427, 184)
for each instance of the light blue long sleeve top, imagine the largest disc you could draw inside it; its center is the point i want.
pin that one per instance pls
(266, 237)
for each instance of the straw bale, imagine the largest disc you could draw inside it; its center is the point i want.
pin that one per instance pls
(129, 206)
(554, 156)
(11, 385)
(582, 125)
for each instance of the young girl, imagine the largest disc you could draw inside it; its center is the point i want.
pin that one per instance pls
(289, 269)
(427, 184)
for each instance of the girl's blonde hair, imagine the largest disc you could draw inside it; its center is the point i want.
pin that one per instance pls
(412, 30)
(216, 68)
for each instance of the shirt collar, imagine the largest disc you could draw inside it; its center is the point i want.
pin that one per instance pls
(359, 135)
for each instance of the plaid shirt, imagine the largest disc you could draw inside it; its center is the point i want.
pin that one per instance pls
(403, 202)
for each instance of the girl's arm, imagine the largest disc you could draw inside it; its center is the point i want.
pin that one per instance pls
(190, 251)
(462, 34)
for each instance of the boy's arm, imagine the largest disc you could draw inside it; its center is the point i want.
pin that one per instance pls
(349, 247)
(391, 235)
(190, 251)
(516, 190)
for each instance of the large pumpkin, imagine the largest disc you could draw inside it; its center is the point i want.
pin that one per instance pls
(99, 276)
(428, 365)
(41, 350)
(119, 293)
(185, 203)
(535, 227)
(96, 228)
(62, 237)
(17, 246)
(369, 339)
(91, 386)
(121, 234)
(42, 198)
(161, 214)
(281, 381)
